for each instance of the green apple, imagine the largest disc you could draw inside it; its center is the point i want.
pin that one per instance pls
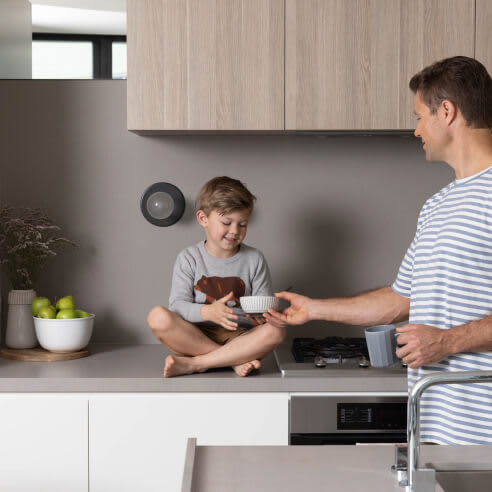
(66, 314)
(65, 303)
(48, 312)
(38, 303)
(81, 314)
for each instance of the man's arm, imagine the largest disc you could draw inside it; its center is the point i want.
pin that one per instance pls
(423, 344)
(380, 306)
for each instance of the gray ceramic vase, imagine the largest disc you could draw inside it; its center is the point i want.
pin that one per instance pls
(20, 332)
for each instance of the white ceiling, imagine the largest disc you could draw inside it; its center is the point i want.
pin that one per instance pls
(79, 16)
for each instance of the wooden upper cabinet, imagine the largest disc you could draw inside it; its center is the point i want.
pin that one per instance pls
(205, 64)
(431, 30)
(341, 64)
(483, 40)
(348, 62)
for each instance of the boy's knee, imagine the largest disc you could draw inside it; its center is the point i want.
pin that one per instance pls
(275, 334)
(159, 319)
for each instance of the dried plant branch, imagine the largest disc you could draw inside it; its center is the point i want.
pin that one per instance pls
(28, 237)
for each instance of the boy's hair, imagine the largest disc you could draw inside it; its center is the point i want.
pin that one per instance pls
(463, 81)
(225, 195)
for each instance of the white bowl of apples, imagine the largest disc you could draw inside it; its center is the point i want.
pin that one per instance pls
(63, 328)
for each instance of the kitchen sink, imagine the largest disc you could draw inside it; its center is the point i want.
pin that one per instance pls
(464, 481)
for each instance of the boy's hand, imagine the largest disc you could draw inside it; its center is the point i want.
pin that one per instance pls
(220, 313)
(266, 318)
(296, 314)
(257, 319)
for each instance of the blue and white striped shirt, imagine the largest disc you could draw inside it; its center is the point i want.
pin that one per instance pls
(447, 274)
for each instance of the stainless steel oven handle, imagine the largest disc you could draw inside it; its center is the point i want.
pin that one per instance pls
(462, 377)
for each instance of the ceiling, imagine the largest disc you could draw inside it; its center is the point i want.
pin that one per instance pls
(79, 16)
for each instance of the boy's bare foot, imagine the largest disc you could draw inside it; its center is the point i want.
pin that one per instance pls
(244, 369)
(177, 366)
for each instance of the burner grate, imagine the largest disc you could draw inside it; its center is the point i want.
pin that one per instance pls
(307, 349)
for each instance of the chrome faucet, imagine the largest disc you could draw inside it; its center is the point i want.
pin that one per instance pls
(415, 475)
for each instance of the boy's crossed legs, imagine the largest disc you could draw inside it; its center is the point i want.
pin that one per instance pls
(202, 353)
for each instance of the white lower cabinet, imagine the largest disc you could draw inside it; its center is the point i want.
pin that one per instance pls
(138, 442)
(43, 443)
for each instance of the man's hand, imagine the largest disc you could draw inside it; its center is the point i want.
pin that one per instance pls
(220, 313)
(296, 314)
(422, 344)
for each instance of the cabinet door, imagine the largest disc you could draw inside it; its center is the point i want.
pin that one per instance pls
(431, 30)
(483, 43)
(205, 64)
(138, 442)
(341, 64)
(43, 443)
(348, 62)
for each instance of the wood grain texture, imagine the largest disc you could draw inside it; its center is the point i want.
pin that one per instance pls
(483, 39)
(431, 30)
(349, 62)
(205, 64)
(341, 64)
(40, 355)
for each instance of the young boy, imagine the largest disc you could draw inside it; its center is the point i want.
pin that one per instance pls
(204, 325)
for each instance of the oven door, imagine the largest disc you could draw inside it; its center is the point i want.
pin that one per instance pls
(340, 419)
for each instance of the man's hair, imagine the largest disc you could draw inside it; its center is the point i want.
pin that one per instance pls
(225, 195)
(463, 81)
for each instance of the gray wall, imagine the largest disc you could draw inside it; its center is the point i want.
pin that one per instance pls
(15, 39)
(334, 215)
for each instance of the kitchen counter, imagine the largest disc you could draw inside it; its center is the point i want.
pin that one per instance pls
(330, 468)
(138, 368)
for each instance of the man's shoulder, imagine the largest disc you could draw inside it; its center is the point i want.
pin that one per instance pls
(436, 198)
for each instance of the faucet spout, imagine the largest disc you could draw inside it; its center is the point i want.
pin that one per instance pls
(413, 429)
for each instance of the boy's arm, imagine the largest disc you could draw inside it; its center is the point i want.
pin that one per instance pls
(181, 299)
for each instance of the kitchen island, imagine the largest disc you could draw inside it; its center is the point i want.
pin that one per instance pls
(328, 468)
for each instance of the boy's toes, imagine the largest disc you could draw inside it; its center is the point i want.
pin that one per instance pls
(244, 369)
(169, 366)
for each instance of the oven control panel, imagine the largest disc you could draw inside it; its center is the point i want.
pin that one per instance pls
(347, 414)
(390, 416)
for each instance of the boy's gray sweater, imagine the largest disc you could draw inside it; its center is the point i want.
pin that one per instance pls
(200, 278)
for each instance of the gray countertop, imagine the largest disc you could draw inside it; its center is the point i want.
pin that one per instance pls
(138, 368)
(329, 468)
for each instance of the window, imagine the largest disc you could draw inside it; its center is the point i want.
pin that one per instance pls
(119, 60)
(78, 56)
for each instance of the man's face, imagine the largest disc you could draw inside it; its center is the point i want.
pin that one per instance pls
(432, 129)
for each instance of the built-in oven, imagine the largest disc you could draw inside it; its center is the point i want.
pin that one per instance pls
(347, 419)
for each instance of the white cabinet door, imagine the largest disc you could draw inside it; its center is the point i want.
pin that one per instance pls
(138, 442)
(43, 443)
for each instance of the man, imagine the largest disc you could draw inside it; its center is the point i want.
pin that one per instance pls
(444, 285)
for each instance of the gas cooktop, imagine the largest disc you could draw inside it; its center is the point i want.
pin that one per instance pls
(319, 357)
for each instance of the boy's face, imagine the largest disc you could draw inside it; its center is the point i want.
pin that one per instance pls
(224, 232)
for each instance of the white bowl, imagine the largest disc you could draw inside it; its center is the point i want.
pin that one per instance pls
(258, 304)
(64, 335)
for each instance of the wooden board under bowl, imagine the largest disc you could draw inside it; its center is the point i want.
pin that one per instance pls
(39, 354)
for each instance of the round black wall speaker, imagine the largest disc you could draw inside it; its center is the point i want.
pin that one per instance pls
(162, 204)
